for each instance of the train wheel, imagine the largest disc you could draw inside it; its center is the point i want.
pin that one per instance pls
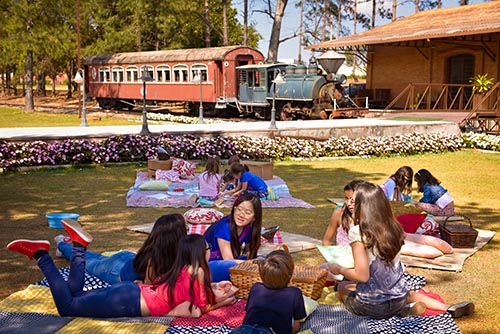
(107, 104)
(286, 112)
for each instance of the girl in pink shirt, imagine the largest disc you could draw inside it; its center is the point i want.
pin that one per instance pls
(185, 290)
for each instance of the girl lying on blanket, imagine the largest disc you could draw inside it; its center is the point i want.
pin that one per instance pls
(185, 290)
(154, 258)
(236, 237)
(376, 286)
(436, 199)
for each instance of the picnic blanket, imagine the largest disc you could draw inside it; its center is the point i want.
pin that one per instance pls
(449, 262)
(32, 310)
(294, 242)
(162, 199)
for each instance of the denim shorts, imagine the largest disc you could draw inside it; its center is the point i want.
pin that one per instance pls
(251, 329)
(377, 311)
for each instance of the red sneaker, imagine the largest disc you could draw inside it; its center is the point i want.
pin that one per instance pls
(76, 232)
(28, 247)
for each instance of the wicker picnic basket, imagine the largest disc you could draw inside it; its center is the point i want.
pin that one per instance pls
(310, 280)
(456, 233)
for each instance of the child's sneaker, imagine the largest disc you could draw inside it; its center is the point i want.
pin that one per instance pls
(461, 309)
(76, 232)
(417, 308)
(28, 247)
(58, 239)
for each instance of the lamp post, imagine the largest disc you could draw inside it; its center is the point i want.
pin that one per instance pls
(278, 80)
(145, 77)
(80, 80)
(199, 79)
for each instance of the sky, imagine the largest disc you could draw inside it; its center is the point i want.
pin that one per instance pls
(289, 50)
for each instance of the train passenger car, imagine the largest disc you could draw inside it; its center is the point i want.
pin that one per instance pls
(297, 91)
(116, 80)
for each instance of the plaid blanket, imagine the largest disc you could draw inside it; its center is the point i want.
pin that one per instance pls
(32, 310)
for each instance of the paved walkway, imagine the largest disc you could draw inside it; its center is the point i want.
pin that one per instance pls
(317, 129)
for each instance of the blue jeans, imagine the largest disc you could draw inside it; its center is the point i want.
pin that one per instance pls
(107, 268)
(251, 329)
(119, 300)
(220, 269)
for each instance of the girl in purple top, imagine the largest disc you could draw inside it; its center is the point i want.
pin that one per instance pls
(236, 237)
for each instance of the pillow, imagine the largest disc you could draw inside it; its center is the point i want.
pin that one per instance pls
(310, 305)
(202, 216)
(155, 185)
(167, 175)
(429, 240)
(420, 250)
(411, 221)
(429, 227)
(184, 168)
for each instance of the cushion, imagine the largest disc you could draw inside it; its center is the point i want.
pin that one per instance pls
(429, 240)
(429, 227)
(202, 216)
(167, 175)
(155, 185)
(411, 221)
(420, 250)
(184, 168)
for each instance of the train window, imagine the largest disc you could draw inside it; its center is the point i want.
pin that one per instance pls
(132, 73)
(149, 71)
(104, 74)
(118, 74)
(199, 68)
(180, 73)
(243, 77)
(163, 73)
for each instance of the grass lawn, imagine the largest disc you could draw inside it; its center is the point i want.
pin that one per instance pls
(98, 194)
(18, 118)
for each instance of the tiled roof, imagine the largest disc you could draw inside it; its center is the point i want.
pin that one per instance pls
(437, 23)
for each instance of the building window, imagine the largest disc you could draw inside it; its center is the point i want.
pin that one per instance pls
(149, 71)
(163, 73)
(132, 75)
(118, 74)
(104, 74)
(180, 73)
(199, 68)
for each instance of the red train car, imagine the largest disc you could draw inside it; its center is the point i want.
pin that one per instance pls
(114, 80)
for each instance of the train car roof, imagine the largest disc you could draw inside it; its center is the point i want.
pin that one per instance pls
(258, 66)
(215, 53)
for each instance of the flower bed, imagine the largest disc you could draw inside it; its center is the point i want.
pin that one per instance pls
(130, 148)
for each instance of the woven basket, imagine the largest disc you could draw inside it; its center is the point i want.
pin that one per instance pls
(458, 235)
(310, 280)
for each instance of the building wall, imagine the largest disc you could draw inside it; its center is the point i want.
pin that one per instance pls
(394, 67)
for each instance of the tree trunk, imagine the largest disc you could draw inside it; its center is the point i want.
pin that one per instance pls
(207, 23)
(394, 9)
(54, 79)
(29, 103)
(245, 22)
(374, 12)
(274, 42)
(224, 18)
(324, 19)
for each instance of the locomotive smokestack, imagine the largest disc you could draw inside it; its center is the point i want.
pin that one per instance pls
(331, 61)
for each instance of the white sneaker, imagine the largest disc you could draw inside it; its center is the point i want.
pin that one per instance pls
(58, 239)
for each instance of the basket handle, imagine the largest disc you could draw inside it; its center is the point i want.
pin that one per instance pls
(466, 218)
(282, 247)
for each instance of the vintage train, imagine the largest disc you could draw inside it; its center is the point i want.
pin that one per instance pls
(225, 80)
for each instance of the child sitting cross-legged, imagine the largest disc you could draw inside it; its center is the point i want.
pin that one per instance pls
(273, 306)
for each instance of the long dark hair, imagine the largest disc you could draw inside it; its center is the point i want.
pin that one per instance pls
(160, 248)
(422, 177)
(212, 167)
(253, 248)
(348, 216)
(191, 255)
(378, 227)
(403, 178)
